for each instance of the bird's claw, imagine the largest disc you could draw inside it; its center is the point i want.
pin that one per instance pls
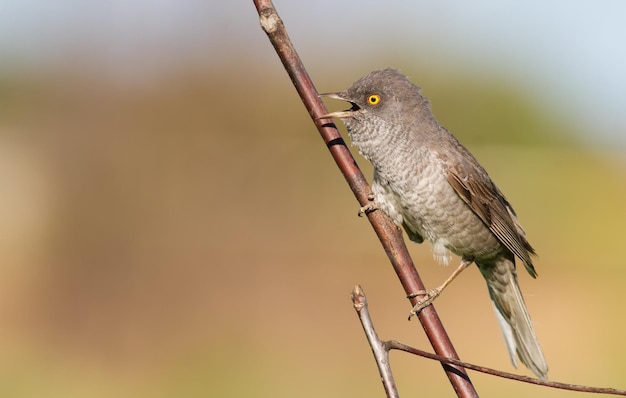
(429, 297)
(370, 207)
(367, 209)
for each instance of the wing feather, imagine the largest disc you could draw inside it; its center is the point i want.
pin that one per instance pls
(475, 188)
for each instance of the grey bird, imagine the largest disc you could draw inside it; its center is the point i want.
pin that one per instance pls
(431, 185)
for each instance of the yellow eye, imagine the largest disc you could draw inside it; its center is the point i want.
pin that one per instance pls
(373, 99)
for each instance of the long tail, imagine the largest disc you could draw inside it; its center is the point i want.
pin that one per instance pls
(513, 316)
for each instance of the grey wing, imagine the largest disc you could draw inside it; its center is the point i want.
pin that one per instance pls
(389, 202)
(473, 185)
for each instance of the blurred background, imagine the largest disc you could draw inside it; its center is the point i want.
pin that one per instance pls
(172, 225)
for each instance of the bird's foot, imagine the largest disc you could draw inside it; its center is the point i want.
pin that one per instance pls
(370, 207)
(429, 297)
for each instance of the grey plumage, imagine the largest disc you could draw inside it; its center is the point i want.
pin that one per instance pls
(431, 185)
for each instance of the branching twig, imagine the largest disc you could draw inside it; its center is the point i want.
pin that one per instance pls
(389, 235)
(381, 353)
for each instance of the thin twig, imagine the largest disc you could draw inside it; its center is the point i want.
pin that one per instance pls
(389, 235)
(395, 345)
(380, 351)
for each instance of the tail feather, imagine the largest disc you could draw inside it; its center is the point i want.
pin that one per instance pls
(513, 316)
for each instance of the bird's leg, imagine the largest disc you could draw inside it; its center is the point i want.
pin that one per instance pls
(432, 294)
(370, 207)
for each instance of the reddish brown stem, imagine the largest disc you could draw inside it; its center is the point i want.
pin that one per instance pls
(390, 236)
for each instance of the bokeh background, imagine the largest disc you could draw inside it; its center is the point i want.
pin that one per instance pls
(172, 225)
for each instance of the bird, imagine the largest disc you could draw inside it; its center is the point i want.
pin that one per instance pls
(430, 185)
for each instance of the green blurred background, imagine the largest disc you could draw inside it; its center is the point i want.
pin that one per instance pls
(172, 225)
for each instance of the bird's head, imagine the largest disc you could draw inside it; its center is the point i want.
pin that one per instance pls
(384, 94)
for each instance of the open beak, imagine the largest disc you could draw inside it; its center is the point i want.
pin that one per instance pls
(339, 114)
